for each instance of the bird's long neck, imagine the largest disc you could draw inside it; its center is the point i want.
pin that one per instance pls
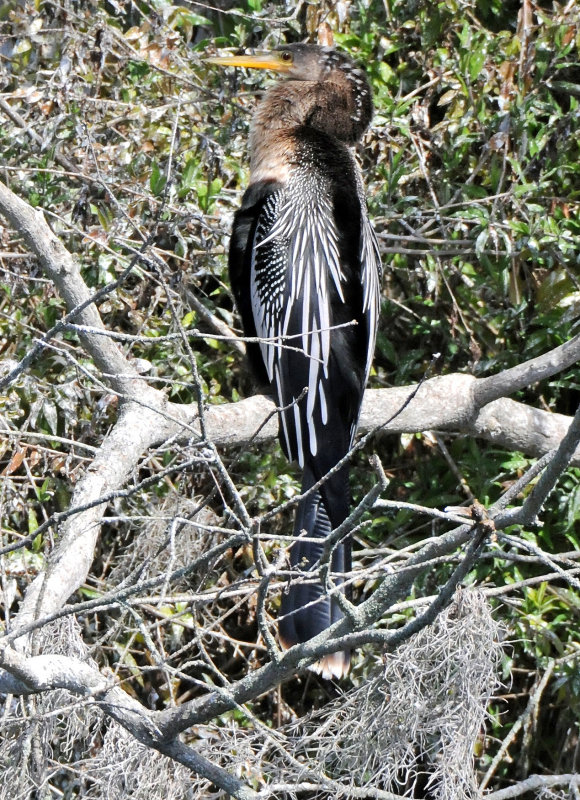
(339, 107)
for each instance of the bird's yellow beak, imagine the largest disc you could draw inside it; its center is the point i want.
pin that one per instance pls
(270, 60)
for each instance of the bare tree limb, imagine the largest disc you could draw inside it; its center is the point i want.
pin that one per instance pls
(48, 672)
(443, 403)
(532, 783)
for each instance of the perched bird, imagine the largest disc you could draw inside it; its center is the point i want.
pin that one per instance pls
(305, 271)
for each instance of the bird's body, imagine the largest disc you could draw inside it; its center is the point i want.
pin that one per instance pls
(305, 270)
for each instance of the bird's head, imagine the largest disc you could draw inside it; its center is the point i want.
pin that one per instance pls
(298, 62)
(343, 111)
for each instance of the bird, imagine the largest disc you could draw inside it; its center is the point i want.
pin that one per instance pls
(305, 271)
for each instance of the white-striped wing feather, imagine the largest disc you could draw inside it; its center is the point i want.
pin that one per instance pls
(295, 269)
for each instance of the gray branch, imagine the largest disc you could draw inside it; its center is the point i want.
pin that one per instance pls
(447, 403)
(532, 783)
(23, 675)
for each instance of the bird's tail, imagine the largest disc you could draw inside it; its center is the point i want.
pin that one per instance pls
(306, 609)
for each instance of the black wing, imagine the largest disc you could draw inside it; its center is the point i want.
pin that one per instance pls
(305, 270)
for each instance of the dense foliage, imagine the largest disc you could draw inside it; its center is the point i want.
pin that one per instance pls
(472, 166)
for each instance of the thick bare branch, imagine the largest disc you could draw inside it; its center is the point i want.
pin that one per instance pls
(443, 403)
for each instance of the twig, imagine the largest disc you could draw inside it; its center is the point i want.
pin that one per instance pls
(542, 556)
(532, 704)
(534, 782)
(453, 467)
(266, 573)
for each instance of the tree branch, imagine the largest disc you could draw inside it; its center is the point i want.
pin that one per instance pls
(41, 673)
(443, 403)
(532, 783)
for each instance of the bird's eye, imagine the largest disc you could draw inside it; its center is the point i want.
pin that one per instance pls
(286, 56)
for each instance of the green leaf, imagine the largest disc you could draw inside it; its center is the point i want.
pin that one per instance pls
(188, 176)
(189, 319)
(157, 181)
(32, 520)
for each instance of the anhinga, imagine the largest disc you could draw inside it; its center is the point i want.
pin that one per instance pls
(305, 271)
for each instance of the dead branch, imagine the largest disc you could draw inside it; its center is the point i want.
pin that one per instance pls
(534, 782)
